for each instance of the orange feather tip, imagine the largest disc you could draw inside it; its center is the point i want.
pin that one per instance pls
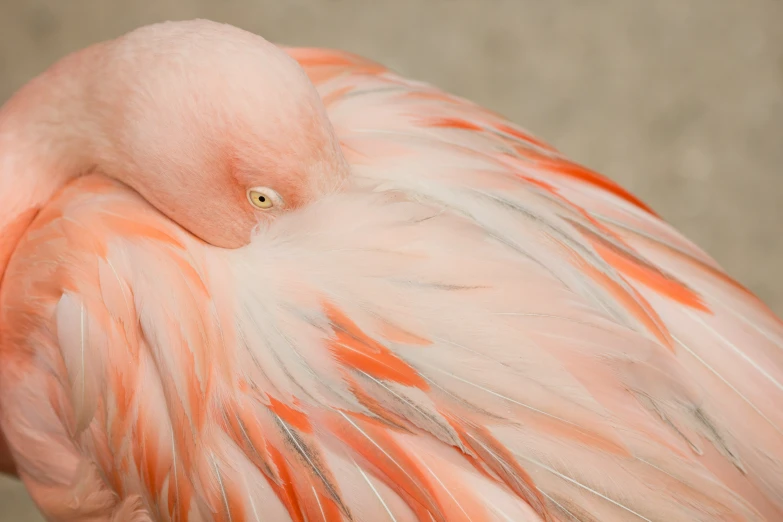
(356, 350)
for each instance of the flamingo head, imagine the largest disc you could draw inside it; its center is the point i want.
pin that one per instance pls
(219, 129)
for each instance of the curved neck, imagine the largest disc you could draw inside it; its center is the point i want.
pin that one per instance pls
(44, 143)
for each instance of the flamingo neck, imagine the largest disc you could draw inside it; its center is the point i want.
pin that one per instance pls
(46, 140)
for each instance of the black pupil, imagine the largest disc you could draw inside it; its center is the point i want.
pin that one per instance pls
(262, 199)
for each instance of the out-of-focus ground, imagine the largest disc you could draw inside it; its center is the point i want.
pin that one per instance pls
(681, 101)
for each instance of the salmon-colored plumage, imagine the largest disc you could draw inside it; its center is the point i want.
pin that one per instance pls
(469, 328)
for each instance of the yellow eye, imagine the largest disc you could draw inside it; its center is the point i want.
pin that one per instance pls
(264, 198)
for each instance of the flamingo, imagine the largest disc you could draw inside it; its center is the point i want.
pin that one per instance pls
(244, 282)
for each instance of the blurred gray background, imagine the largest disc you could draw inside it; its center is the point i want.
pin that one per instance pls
(681, 101)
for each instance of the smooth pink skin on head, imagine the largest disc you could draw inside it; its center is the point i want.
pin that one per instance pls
(191, 115)
(210, 112)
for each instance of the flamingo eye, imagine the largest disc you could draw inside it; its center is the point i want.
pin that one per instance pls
(264, 198)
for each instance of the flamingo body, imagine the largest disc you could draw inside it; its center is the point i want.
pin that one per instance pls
(474, 329)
